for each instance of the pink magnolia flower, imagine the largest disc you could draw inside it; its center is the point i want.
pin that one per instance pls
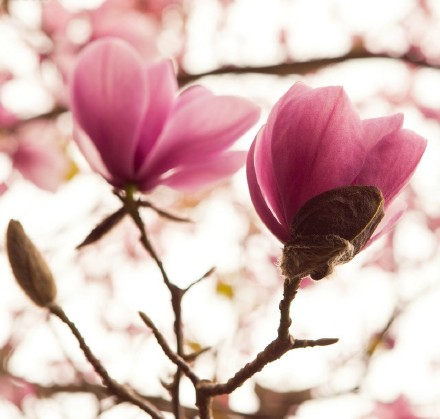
(313, 142)
(132, 127)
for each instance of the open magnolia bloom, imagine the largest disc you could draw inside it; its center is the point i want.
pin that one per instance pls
(133, 127)
(324, 181)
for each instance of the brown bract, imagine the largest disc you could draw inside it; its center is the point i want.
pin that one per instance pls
(331, 229)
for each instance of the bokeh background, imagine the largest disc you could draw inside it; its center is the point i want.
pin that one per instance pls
(384, 306)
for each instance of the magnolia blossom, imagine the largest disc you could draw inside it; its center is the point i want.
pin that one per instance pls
(133, 128)
(314, 142)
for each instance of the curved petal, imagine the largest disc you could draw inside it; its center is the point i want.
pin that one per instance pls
(199, 130)
(280, 231)
(92, 155)
(109, 96)
(3, 188)
(264, 172)
(210, 171)
(391, 163)
(297, 90)
(374, 129)
(393, 214)
(316, 145)
(162, 85)
(191, 94)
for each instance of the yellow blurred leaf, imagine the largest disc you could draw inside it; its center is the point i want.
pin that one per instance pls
(225, 289)
(72, 170)
(194, 346)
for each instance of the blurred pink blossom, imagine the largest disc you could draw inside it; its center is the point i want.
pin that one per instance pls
(115, 19)
(7, 118)
(153, 8)
(313, 142)
(133, 127)
(15, 390)
(36, 154)
(398, 409)
(111, 19)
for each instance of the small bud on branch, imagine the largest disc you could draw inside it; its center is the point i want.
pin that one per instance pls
(29, 267)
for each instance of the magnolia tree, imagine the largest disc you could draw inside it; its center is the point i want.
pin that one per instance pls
(176, 273)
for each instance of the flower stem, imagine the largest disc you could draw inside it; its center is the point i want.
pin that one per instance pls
(176, 293)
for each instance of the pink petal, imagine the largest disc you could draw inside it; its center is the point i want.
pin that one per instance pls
(94, 159)
(191, 94)
(136, 29)
(391, 163)
(208, 172)
(38, 156)
(45, 168)
(392, 215)
(265, 174)
(202, 128)
(109, 96)
(54, 18)
(3, 188)
(7, 119)
(162, 85)
(316, 144)
(268, 218)
(375, 129)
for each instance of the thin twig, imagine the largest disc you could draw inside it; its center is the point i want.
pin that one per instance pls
(283, 343)
(197, 281)
(173, 357)
(176, 293)
(121, 392)
(133, 210)
(290, 290)
(163, 213)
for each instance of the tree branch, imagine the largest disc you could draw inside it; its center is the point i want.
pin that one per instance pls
(121, 392)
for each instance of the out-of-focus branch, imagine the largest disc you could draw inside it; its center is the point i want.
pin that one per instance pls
(304, 67)
(101, 392)
(280, 69)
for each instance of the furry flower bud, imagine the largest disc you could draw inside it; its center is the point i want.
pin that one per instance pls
(29, 267)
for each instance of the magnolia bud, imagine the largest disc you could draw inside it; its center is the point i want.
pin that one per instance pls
(331, 229)
(29, 268)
